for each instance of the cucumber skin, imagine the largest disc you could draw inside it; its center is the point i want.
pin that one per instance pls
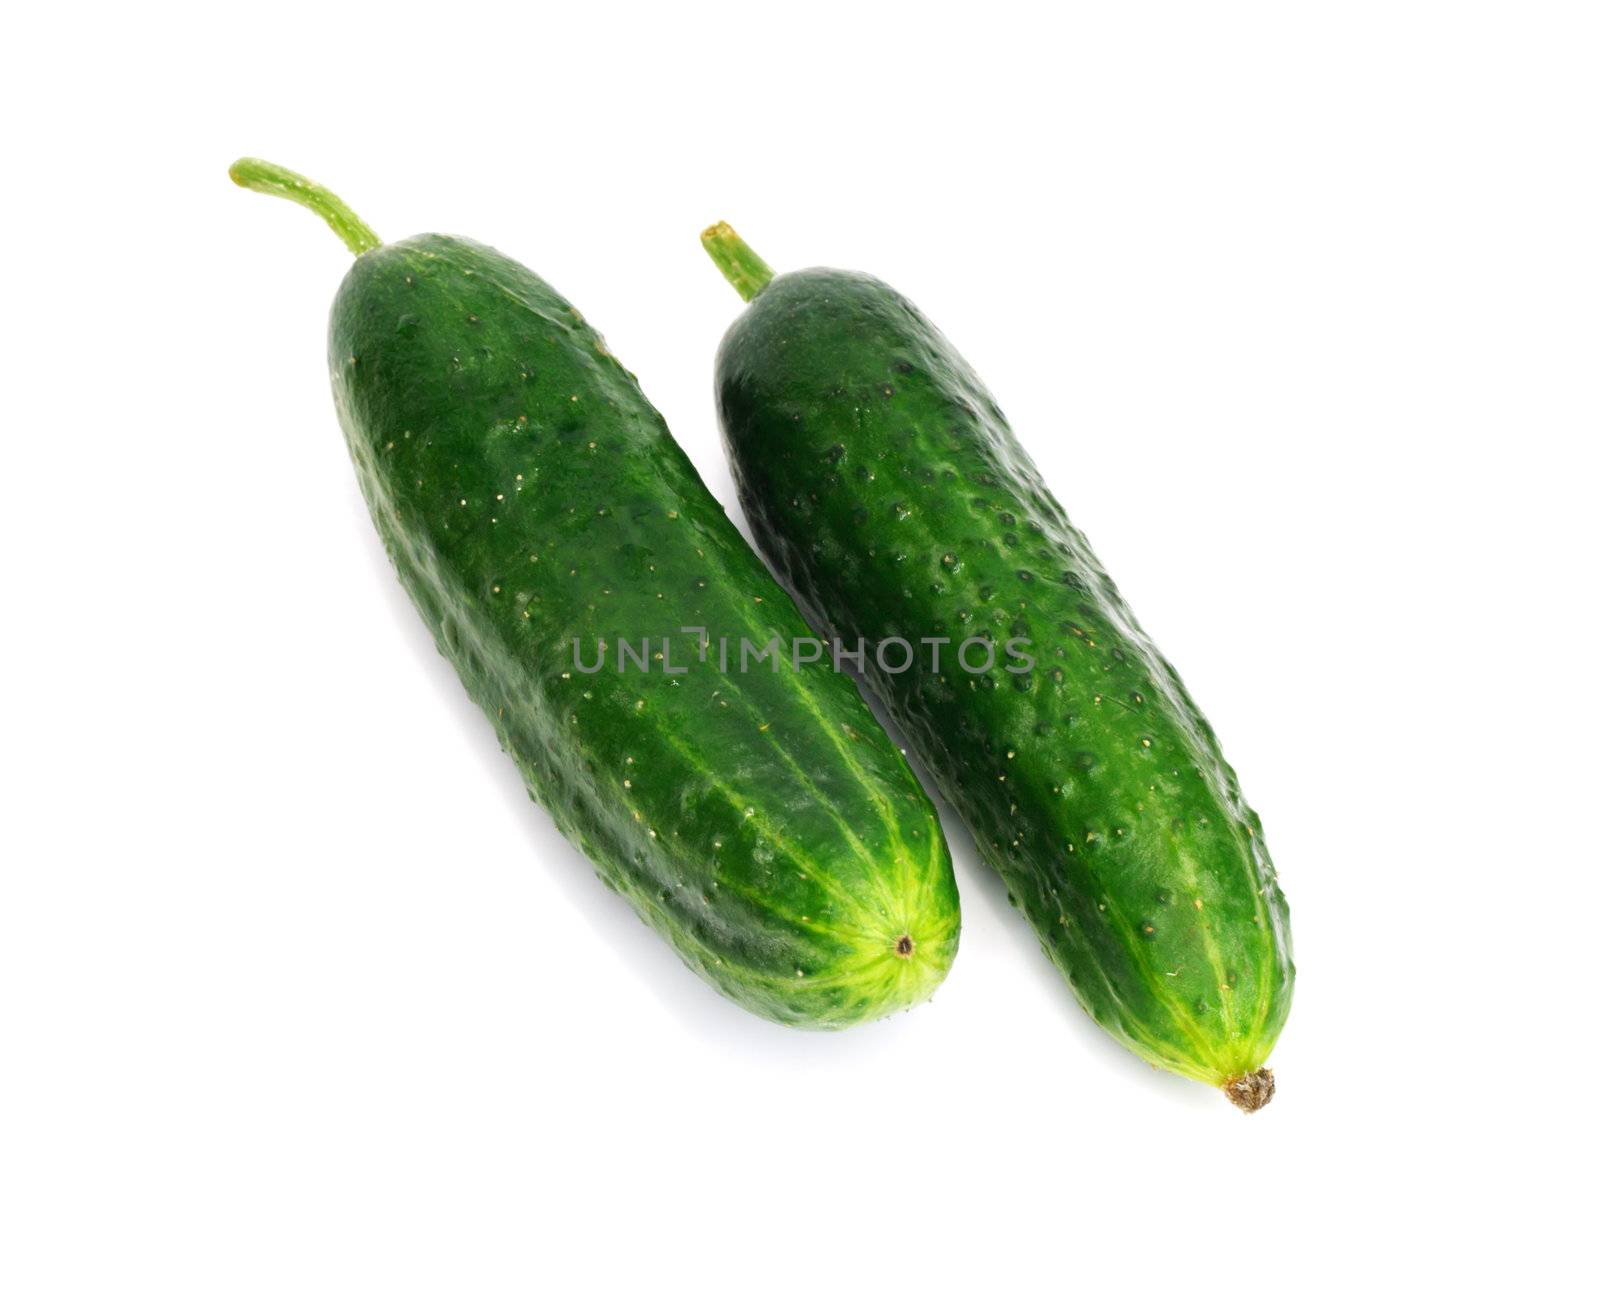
(528, 494)
(885, 487)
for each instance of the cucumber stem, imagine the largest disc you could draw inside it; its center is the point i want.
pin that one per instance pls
(269, 178)
(738, 262)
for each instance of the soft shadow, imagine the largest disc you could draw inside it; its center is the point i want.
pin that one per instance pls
(656, 968)
(981, 886)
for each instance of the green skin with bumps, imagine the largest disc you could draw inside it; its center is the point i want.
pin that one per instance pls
(530, 496)
(883, 484)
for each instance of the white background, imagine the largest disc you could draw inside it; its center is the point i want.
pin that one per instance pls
(1295, 305)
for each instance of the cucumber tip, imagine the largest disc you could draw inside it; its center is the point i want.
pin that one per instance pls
(1250, 1092)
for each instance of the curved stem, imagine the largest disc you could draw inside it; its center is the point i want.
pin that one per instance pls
(737, 261)
(269, 178)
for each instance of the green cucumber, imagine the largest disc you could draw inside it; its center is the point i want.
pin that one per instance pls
(886, 488)
(537, 510)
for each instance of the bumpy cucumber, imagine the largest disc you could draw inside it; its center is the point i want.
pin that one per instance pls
(530, 497)
(886, 488)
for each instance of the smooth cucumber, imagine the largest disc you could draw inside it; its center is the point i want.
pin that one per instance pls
(530, 496)
(884, 485)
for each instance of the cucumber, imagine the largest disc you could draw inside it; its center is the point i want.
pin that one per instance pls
(884, 485)
(537, 510)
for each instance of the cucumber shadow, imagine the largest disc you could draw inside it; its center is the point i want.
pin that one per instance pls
(655, 969)
(985, 907)
(657, 972)
(984, 899)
